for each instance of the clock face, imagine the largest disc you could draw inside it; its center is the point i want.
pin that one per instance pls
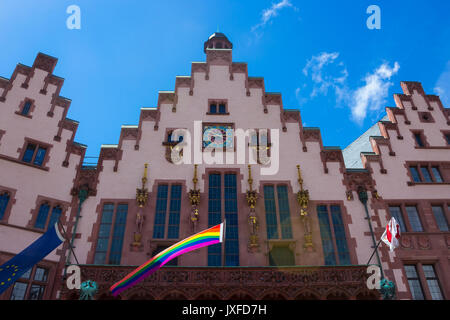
(217, 136)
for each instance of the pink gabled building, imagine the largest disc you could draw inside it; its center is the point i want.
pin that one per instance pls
(299, 232)
(38, 162)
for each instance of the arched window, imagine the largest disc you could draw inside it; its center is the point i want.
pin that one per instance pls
(4, 200)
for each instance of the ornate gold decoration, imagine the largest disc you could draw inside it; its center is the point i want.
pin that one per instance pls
(375, 194)
(252, 196)
(142, 194)
(303, 201)
(141, 199)
(194, 199)
(349, 195)
(302, 195)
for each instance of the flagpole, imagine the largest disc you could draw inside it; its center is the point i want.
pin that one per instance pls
(65, 237)
(373, 252)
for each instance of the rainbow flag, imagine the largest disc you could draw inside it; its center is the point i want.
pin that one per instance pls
(204, 238)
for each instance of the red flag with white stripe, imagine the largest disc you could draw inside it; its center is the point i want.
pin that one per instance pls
(392, 234)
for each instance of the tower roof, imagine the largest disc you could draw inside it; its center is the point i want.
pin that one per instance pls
(218, 40)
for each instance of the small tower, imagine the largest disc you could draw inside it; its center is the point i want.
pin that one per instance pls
(217, 41)
(218, 51)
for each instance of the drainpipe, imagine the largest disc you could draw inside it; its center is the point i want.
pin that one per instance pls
(82, 196)
(363, 197)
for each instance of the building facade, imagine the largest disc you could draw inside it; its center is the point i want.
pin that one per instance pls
(302, 218)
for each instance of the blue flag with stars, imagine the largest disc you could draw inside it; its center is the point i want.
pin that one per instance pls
(25, 260)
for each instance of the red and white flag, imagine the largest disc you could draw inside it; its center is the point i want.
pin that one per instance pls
(392, 234)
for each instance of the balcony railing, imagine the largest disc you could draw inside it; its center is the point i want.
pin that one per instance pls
(252, 283)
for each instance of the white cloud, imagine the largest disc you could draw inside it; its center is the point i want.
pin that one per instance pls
(442, 87)
(373, 94)
(268, 14)
(325, 79)
(327, 73)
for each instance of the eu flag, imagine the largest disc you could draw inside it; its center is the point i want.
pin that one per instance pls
(21, 263)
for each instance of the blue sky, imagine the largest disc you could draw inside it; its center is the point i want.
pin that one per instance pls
(319, 54)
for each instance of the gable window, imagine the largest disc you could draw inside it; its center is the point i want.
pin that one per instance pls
(411, 213)
(441, 220)
(260, 142)
(414, 219)
(217, 107)
(433, 282)
(396, 212)
(223, 188)
(161, 216)
(26, 108)
(32, 284)
(333, 236)
(414, 282)
(277, 224)
(436, 174)
(34, 153)
(418, 136)
(415, 174)
(4, 200)
(109, 244)
(425, 173)
(47, 216)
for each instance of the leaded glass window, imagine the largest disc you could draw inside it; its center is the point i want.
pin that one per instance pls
(339, 234)
(104, 234)
(214, 216)
(160, 213)
(414, 219)
(285, 216)
(396, 213)
(414, 282)
(231, 216)
(441, 220)
(325, 233)
(271, 213)
(4, 200)
(118, 234)
(174, 212)
(433, 282)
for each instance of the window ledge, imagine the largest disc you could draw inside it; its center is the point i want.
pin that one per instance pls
(427, 183)
(22, 228)
(23, 115)
(433, 147)
(217, 114)
(8, 158)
